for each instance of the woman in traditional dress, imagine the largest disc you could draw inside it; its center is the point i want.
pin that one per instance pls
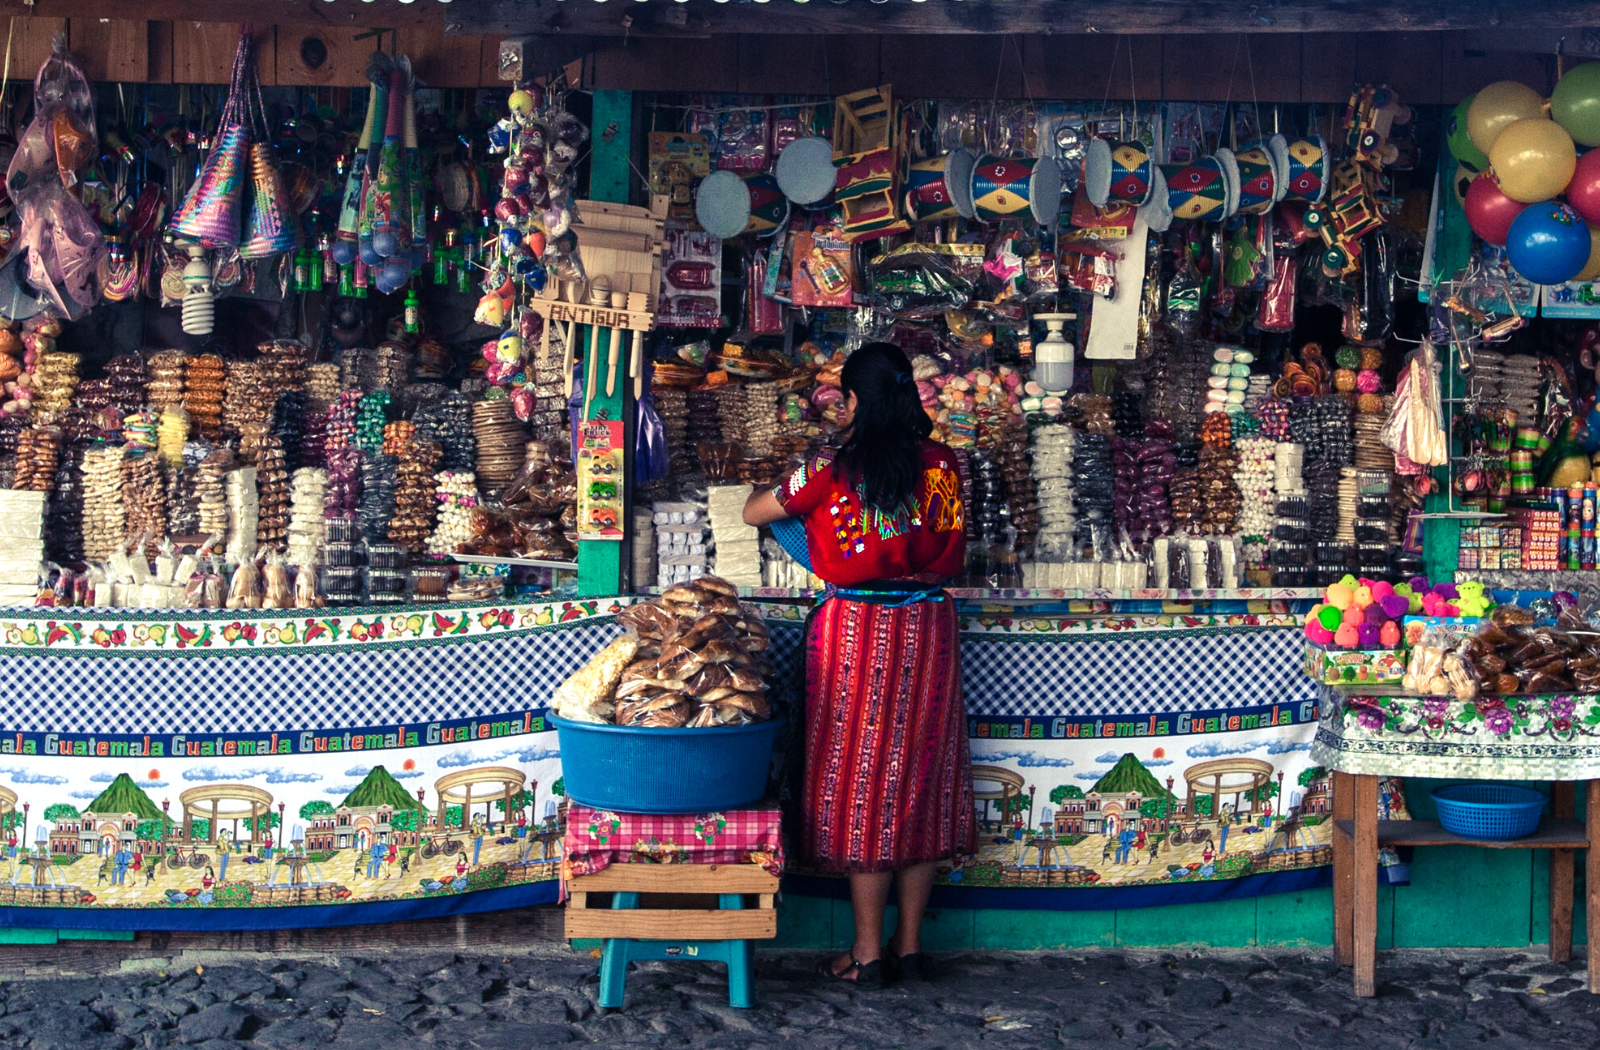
(888, 780)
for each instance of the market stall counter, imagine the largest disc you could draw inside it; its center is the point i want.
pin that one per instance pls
(258, 769)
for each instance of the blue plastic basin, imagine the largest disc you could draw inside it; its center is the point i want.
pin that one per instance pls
(627, 769)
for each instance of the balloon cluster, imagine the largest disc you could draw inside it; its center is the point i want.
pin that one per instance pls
(383, 216)
(1529, 190)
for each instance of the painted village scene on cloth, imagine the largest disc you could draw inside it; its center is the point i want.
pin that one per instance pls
(303, 829)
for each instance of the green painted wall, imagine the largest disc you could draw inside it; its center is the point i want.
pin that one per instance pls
(1458, 897)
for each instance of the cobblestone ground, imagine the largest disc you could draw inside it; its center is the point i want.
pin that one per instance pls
(398, 999)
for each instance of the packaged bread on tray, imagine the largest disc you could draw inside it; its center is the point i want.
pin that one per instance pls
(697, 658)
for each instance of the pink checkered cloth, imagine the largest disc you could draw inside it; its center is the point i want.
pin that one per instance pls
(596, 839)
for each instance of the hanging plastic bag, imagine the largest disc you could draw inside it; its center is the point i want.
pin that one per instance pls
(650, 441)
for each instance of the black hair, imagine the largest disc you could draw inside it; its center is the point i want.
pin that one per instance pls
(881, 452)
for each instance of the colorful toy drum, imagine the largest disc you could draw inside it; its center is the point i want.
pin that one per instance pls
(1120, 171)
(1258, 179)
(805, 170)
(1016, 188)
(930, 196)
(1206, 190)
(727, 204)
(1307, 162)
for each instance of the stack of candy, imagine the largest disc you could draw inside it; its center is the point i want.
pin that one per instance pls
(398, 436)
(1125, 414)
(414, 501)
(246, 402)
(1257, 392)
(314, 440)
(372, 415)
(211, 489)
(457, 493)
(344, 484)
(244, 514)
(754, 408)
(105, 521)
(1255, 480)
(172, 433)
(17, 400)
(283, 366)
(356, 368)
(1093, 487)
(144, 495)
(307, 492)
(55, 377)
(341, 427)
(1052, 474)
(204, 380)
(1218, 462)
(987, 503)
(1228, 381)
(1346, 532)
(391, 366)
(448, 423)
(126, 378)
(322, 386)
(64, 519)
(38, 452)
(379, 483)
(183, 490)
(164, 388)
(11, 426)
(141, 431)
(549, 404)
(287, 426)
(1011, 455)
(272, 495)
(973, 406)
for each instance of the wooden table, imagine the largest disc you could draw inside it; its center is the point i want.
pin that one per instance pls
(660, 926)
(1359, 834)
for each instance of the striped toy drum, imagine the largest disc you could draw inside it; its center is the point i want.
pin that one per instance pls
(1121, 171)
(727, 205)
(1206, 190)
(1258, 179)
(1016, 188)
(929, 193)
(1307, 163)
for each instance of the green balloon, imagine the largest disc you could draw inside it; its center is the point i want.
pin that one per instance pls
(1575, 103)
(1461, 147)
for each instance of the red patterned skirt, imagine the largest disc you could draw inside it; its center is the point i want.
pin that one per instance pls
(888, 774)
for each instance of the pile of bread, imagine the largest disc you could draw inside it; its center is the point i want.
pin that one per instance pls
(695, 656)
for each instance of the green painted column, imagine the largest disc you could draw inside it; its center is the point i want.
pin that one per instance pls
(599, 561)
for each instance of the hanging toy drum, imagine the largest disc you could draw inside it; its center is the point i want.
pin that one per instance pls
(805, 171)
(1259, 179)
(1205, 190)
(1307, 163)
(930, 186)
(1016, 188)
(728, 205)
(1118, 171)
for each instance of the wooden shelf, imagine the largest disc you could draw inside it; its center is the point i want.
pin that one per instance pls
(1552, 833)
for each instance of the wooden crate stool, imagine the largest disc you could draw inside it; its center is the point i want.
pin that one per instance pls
(661, 927)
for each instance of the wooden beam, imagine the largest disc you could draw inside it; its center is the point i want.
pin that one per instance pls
(202, 52)
(309, 12)
(115, 49)
(343, 58)
(701, 18)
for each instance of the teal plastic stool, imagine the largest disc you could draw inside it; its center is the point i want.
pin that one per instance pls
(738, 955)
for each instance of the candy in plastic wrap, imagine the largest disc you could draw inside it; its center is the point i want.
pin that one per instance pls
(588, 696)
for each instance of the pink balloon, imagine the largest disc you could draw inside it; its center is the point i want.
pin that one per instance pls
(1583, 192)
(1490, 212)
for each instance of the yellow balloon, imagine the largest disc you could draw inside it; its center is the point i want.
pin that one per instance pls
(1497, 105)
(1591, 269)
(1533, 159)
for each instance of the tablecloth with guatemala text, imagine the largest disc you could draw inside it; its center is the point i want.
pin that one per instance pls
(231, 770)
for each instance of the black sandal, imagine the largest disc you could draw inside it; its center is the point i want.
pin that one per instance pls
(868, 976)
(910, 967)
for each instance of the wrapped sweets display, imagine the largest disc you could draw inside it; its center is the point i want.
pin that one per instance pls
(1052, 472)
(457, 494)
(415, 501)
(55, 378)
(164, 385)
(500, 440)
(322, 386)
(105, 521)
(272, 496)
(64, 520)
(211, 488)
(448, 423)
(144, 497)
(245, 402)
(205, 379)
(22, 520)
(38, 452)
(308, 488)
(244, 514)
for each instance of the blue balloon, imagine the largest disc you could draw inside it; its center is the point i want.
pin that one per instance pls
(1548, 243)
